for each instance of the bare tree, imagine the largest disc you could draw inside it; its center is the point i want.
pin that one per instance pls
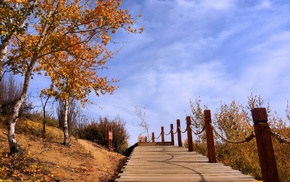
(254, 101)
(10, 91)
(143, 122)
(44, 102)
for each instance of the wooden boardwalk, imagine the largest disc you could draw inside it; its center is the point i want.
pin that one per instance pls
(170, 163)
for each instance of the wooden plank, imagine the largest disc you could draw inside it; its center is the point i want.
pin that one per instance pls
(158, 171)
(169, 163)
(183, 180)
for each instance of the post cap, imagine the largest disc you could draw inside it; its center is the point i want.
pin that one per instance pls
(259, 115)
(206, 113)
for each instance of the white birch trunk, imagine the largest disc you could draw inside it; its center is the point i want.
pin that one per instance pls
(14, 147)
(65, 123)
(3, 52)
(13, 117)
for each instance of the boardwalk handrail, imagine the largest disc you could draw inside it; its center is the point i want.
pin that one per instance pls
(279, 137)
(262, 133)
(265, 146)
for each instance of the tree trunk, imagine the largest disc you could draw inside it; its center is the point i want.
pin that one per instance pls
(65, 124)
(3, 51)
(13, 117)
(14, 147)
(43, 124)
(44, 117)
(12, 120)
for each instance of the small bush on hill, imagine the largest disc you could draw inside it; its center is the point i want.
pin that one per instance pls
(26, 126)
(38, 117)
(97, 132)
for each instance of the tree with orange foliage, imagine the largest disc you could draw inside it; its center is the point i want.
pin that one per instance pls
(66, 40)
(75, 79)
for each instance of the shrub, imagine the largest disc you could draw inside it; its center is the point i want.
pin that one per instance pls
(96, 131)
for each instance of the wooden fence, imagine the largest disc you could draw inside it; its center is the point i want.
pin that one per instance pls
(262, 133)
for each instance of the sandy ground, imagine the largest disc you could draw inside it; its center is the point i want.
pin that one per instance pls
(52, 161)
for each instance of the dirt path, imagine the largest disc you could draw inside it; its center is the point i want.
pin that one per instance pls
(107, 164)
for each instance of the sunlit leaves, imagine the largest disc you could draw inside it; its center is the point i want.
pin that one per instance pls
(13, 13)
(67, 41)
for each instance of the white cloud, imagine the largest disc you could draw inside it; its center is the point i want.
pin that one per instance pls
(219, 5)
(266, 4)
(186, 3)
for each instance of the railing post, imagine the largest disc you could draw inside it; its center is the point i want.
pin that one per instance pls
(189, 134)
(179, 133)
(172, 134)
(209, 137)
(153, 137)
(110, 138)
(265, 146)
(162, 134)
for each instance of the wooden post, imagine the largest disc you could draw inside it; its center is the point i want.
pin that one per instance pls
(110, 138)
(209, 137)
(265, 146)
(153, 137)
(162, 134)
(146, 139)
(179, 133)
(172, 134)
(189, 134)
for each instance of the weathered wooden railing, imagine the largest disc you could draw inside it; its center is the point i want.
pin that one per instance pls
(262, 134)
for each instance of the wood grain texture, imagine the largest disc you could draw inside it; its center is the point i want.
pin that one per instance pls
(170, 163)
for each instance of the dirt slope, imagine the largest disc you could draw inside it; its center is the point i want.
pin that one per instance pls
(51, 161)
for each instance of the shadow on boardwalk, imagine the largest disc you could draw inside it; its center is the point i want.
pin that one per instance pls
(170, 163)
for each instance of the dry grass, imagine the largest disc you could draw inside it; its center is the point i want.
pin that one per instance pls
(49, 160)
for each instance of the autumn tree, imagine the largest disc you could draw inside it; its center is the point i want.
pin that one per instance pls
(198, 125)
(234, 123)
(280, 126)
(66, 40)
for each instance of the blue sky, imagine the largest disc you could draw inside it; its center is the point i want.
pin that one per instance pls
(219, 50)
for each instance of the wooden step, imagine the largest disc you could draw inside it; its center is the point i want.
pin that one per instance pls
(169, 163)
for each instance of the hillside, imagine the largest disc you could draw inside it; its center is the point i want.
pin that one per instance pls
(49, 160)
